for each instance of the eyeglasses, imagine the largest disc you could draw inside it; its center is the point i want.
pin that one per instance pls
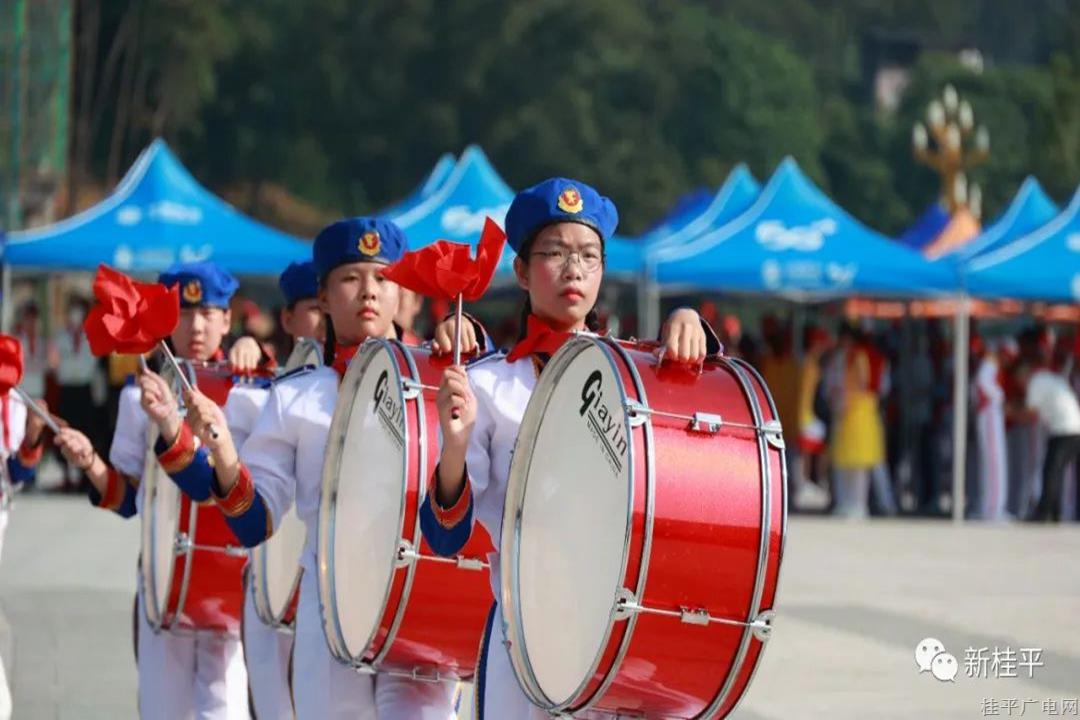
(590, 259)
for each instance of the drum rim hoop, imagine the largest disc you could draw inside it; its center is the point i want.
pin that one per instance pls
(421, 445)
(749, 389)
(510, 590)
(260, 595)
(158, 620)
(753, 372)
(328, 605)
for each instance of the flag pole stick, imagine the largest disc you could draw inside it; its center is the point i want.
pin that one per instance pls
(36, 409)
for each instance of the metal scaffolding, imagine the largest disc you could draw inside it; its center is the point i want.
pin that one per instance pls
(35, 101)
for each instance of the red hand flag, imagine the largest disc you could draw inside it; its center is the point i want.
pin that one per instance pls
(130, 317)
(444, 270)
(11, 363)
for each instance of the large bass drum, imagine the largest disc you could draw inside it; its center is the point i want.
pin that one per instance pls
(275, 563)
(191, 565)
(642, 534)
(389, 603)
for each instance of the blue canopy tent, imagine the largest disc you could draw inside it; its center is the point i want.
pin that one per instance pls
(157, 215)
(1029, 210)
(735, 196)
(1042, 265)
(687, 207)
(472, 192)
(434, 180)
(925, 228)
(794, 241)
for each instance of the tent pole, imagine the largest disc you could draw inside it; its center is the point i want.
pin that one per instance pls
(648, 302)
(960, 405)
(5, 297)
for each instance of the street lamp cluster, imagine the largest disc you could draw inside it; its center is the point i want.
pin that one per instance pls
(952, 144)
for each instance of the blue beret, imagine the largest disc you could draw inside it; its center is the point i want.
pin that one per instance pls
(201, 284)
(299, 282)
(358, 239)
(558, 200)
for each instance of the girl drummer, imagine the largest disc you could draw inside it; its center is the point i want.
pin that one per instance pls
(558, 229)
(283, 458)
(179, 675)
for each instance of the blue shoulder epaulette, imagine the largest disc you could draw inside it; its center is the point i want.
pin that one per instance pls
(295, 372)
(260, 382)
(486, 357)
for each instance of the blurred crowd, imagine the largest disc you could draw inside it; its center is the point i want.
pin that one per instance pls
(867, 409)
(868, 417)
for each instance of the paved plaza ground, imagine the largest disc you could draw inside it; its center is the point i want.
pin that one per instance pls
(855, 600)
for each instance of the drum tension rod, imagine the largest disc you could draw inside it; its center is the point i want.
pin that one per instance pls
(626, 604)
(706, 423)
(183, 545)
(410, 389)
(406, 555)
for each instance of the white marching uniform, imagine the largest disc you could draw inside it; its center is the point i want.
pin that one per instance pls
(16, 429)
(284, 455)
(267, 650)
(180, 676)
(502, 391)
(990, 428)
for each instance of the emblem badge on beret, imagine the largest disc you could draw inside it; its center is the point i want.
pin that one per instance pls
(570, 200)
(192, 292)
(370, 244)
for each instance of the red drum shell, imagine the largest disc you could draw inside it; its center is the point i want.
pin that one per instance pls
(214, 599)
(709, 547)
(439, 612)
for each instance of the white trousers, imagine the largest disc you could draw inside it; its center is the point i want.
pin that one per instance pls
(324, 689)
(498, 694)
(184, 677)
(993, 463)
(5, 691)
(267, 653)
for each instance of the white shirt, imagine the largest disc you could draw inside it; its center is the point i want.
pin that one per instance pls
(128, 451)
(502, 391)
(1050, 395)
(16, 426)
(285, 449)
(242, 410)
(77, 367)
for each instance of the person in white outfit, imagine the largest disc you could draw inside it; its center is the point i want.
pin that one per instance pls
(558, 229)
(988, 396)
(282, 461)
(21, 435)
(1050, 396)
(181, 676)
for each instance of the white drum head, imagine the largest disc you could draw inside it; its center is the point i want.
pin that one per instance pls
(276, 565)
(365, 474)
(569, 496)
(276, 562)
(305, 352)
(160, 526)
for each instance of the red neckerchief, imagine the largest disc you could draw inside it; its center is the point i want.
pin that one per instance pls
(539, 338)
(342, 355)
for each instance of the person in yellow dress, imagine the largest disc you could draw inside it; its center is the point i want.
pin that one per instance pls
(858, 440)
